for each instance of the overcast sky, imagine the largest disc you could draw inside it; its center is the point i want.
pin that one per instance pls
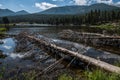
(33, 6)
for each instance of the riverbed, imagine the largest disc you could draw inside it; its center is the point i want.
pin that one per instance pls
(22, 61)
(52, 32)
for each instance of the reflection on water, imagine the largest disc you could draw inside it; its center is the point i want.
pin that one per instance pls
(8, 45)
(46, 31)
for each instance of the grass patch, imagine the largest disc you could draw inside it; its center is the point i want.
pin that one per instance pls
(101, 75)
(65, 77)
(117, 64)
(2, 31)
(111, 28)
(68, 77)
(3, 25)
(2, 71)
(107, 26)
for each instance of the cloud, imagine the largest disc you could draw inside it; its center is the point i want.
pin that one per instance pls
(44, 5)
(80, 2)
(7, 47)
(88, 2)
(1, 5)
(105, 1)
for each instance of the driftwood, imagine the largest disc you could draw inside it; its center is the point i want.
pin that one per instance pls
(49, 67)
(84, 58)
(94, 39)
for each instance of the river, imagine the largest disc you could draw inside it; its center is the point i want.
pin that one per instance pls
(52, 32)
(14, 59)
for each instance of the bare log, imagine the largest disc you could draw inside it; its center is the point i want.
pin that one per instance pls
(84, 58)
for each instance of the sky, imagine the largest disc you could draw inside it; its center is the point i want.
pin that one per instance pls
(33, 6)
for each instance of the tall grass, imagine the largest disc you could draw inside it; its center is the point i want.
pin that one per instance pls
(107, 26)
(65, 77)
(3, 29)
(101, 75)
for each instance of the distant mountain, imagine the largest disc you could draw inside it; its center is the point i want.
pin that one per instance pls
(7, 12)
(79, 9)
(22, 12)
(65, 10)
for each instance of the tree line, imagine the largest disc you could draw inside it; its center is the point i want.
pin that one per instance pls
(93, 17)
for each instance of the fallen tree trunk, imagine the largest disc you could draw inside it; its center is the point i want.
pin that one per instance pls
(84, 58)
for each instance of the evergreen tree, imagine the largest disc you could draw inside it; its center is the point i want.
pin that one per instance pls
(6, 22)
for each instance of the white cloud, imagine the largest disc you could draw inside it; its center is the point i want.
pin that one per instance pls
(88, 2)
(7, 47)
(105, 1)
(80, 2)
(44, 5)
(13, 55)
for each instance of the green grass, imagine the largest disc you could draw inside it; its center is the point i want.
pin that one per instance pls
(107, 26)
(117, 64)
(2, 31)
(101, 75)
(3, 25)
(65, 77)
(111, 28)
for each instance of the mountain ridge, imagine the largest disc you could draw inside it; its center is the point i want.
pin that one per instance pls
(8, 12)
(79, 9)
(67, 10)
